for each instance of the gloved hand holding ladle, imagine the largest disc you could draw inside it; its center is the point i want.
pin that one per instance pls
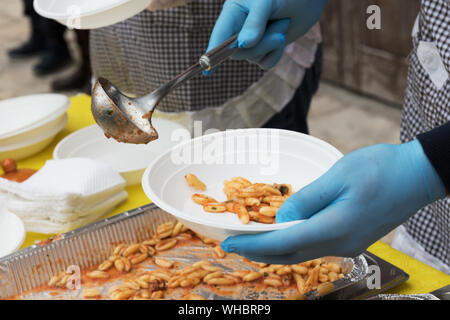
(128, 119)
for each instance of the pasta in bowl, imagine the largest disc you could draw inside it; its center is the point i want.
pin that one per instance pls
(257, 202)
(269, 157)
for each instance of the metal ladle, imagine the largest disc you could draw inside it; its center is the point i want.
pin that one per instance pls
(128, 119)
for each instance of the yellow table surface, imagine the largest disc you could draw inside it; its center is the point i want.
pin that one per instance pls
(422, 279)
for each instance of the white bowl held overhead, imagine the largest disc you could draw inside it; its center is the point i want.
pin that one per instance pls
(25, 117)
(89, 14)
(128, 159)
(259, 155)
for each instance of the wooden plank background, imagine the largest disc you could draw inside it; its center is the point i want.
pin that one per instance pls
(372, 62)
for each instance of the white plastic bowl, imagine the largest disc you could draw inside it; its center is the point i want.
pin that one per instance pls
(260, 155)
(127, 159)
(89, 14)
(33, 144)
(27, 136)
(12, 231)
(26, 117)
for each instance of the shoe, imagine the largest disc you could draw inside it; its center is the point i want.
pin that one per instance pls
(79, 80)
(29, 49)
(53, 60)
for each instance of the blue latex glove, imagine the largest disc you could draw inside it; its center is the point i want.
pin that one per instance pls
(263, 43)
(361, 198)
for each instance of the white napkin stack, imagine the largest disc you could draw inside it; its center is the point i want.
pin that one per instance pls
(65, 195)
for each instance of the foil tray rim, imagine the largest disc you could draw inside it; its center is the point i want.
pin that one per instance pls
(9, 276)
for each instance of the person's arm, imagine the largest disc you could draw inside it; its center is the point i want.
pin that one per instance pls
(361, 198)
(436, 144)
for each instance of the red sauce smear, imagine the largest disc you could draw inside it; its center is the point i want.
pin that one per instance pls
(147, 115)
(11, 172)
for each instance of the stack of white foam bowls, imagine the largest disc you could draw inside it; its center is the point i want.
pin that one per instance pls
(29, 124)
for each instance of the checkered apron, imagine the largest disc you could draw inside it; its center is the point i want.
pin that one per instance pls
(427, 106)
(179, 36)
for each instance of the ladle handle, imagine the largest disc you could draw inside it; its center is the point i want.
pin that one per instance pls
(216, 56)
(208, 61)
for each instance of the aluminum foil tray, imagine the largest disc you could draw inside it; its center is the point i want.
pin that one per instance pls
(88, 246)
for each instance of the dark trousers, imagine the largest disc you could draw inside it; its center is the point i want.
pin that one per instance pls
(83, 43)
(48, 31)
(294, 115)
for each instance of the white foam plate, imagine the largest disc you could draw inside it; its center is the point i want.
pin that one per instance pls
(89, 14)
(128, 159)
(12, 231)
(20, 117)
(260, 155)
